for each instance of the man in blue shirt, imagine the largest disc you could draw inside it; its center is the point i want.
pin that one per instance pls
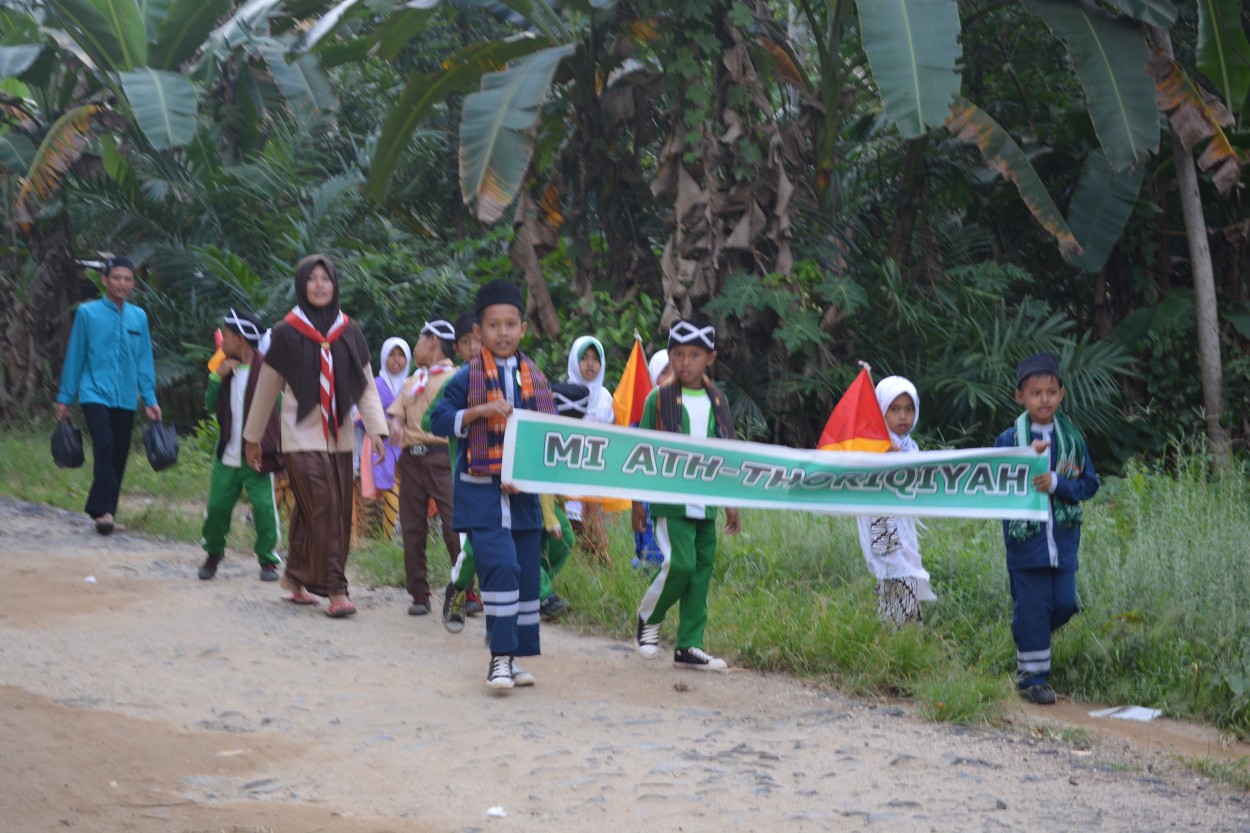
(108, 368)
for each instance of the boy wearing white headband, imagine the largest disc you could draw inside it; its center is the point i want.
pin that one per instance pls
(891, 546)
(424, 465)
(229, 393)
(689, 403)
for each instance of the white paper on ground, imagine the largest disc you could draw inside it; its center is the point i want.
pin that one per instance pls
(497, 813)
(1138, 713)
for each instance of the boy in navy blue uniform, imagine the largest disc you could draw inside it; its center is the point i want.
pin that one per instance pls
(504, 525)
(1042, 556)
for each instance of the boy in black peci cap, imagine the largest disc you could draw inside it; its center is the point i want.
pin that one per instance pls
(504, 525)
(1042, 557)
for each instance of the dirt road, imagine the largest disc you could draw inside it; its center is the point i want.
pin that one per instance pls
(149, 701)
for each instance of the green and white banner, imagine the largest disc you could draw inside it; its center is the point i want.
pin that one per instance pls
(557, 455)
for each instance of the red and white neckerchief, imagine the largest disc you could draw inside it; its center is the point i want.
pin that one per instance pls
(329, 410)
(423, 376)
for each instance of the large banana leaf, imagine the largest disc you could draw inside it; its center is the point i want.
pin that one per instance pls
(1223, 53)
(461, 72)
(16, 152)
(497, 127)
(164, 105)
(913, 48)
(324, 26)
(303, 82)
(1101, 206)
(112, 32)
(1198, 116)
(14, 60)
(1110, 57)
(181, 30)
(62, 145)
(1159, 13)
(969, 123)
(250, 21)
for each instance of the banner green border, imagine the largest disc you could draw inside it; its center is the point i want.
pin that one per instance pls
(546, 454)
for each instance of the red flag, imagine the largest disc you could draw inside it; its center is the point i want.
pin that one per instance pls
(635, 384)
(856, 423)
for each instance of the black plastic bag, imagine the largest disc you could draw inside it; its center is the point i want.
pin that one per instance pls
(67, 445)
(161, 443)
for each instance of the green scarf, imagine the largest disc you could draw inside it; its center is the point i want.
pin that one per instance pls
(1069, 463)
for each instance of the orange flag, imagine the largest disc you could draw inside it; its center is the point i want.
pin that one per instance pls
(217, 358)
(634, 386)
(856, 423)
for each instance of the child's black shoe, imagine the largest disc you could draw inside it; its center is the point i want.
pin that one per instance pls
(209, 568)
(1041, 695)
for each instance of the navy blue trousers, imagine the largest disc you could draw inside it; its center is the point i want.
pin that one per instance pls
(508, 564)
(1043, 601)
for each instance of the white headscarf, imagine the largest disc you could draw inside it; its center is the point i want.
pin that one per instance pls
(889, 389)
(575, 372)
(657, 365)
(395, 381)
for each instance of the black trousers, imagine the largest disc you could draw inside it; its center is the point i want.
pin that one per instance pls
(110, 446)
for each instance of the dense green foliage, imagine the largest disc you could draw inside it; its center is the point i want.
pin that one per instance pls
(1162, 586)
(911, 254)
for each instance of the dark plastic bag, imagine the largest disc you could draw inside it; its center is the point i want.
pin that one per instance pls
(161, 443)
(67, 445)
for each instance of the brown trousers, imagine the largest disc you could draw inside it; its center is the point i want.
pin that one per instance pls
(321, 521)
(420, 480)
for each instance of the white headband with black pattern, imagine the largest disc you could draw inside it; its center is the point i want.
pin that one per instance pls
(564, 404)
(440, 328)
(683, 332)
(245, 328)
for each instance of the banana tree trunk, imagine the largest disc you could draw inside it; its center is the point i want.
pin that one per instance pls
(1210, 364)
(34, 323)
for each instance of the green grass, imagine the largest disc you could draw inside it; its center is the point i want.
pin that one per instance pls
(1164, 586)
(1235, 773)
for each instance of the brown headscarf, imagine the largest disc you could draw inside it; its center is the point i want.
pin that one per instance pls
(297, 358)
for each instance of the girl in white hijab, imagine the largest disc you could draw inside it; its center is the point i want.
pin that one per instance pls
(891, 546)
(587, 367)
(379, 516)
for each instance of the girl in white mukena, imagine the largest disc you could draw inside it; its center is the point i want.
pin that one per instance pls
(891, 545)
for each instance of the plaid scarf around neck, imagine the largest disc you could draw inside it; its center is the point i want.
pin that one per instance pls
(1069, 463)
(329, 409)
(669, 410)
(485, 450)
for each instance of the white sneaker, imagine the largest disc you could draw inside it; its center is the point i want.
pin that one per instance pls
(697, 659)
(520, 676)
(499, 673)
(648, 639)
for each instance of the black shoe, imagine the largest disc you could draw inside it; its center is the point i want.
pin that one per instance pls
(698, 659)
(499, 673)
(1041, 694)
(419, 608)
(269, 572)
(453, 608)
(104, 524)
(209, 568)
(553, 608)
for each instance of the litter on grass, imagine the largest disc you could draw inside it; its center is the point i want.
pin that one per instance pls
(1138, 713)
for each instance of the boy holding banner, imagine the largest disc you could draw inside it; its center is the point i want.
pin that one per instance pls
(688, 404)
(504, 525)
(1042, 557)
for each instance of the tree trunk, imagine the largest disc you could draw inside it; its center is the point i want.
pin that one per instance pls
(34, 323)
(1210, 365)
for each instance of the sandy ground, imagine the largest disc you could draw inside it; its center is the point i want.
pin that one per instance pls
(152, 702)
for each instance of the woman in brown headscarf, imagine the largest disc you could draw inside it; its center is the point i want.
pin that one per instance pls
(319, 362)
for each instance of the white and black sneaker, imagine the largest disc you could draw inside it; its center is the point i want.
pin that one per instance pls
(648, 639)
(499, 673)
(697, 659)
(520, 676)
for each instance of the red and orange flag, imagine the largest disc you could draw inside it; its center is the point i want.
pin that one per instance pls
(856, 423)
(635, 384)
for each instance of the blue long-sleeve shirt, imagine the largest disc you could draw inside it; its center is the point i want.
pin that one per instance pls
(109, 357)
(1053, 546)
